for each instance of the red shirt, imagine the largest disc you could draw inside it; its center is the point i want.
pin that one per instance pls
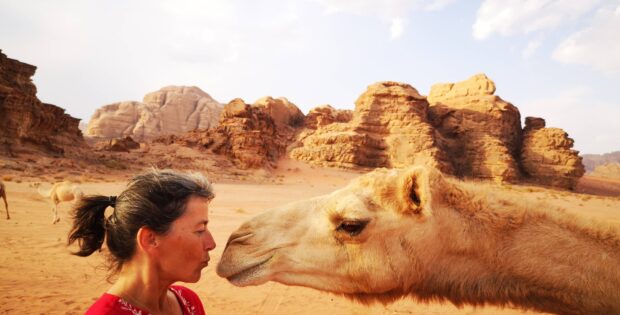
(109, 304)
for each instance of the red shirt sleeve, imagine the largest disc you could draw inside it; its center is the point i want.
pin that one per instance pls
(189, 299)
(109, 304)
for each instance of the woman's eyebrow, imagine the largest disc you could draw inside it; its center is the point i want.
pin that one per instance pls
(203, 222)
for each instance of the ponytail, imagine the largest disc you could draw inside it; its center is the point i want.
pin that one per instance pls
(89, 224)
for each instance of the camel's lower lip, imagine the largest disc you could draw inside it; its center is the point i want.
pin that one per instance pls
(245, 276)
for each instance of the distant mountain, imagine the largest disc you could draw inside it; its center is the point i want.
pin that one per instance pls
(591, 161)
(607, 170)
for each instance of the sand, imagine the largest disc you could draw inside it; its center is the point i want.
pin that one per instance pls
(39, 276)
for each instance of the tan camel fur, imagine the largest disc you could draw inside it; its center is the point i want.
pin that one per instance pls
(414, 232)
(62, 191)
(3, 195)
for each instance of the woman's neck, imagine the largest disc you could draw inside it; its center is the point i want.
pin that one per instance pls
(142, 287)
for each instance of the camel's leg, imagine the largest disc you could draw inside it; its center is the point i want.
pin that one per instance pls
(6, 206)
(55, 211)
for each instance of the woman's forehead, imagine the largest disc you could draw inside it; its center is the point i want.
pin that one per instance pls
(197, 209)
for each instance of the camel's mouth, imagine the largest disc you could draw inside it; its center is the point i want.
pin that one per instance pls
(254, 274)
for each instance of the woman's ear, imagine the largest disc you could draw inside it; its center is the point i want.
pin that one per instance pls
(146, 239)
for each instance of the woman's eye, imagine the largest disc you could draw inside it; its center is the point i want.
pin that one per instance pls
(200, 232)
(352, 228)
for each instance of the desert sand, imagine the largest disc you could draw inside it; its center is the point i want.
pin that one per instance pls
(40, 276)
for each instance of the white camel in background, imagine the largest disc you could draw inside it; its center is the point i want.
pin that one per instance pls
(63, 191)
(3, 195)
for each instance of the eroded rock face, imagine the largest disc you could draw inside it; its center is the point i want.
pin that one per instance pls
(388, 128)
(547, 156)
(171, 110)
(480, 132)
(25, 120)
(324, 115)
(286, 115)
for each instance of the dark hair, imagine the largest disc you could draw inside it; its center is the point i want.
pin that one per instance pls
(153, 199)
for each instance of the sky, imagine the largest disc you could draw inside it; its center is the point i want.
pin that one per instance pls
(555, 59)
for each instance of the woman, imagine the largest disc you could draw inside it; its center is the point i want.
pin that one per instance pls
(156, 235)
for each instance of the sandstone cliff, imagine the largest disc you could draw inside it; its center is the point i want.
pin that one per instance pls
(388, 128)
(171, 110)
(547, 155)
(480, 132)
(252, 136)
(324, 115)
(463, 129)
(26, 121)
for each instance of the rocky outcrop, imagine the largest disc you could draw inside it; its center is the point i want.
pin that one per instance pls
(480, 132)
(252, 136)
(388, 128)
(463, 129)
(324, 115)
(286, 115)
(118, 145)
(547, 156)
(171, 110)
(27, 122)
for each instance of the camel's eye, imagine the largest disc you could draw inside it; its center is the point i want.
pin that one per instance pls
(352, 227)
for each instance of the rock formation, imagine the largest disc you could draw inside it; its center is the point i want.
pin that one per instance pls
(118, 145)
(252, 136)
(480, 132)
(24, 120)
(284, 114)
(171, 110)
(547, 157)
(388, 128)
(591, 161)
(325, 115)
(608, 170)
(463, 129)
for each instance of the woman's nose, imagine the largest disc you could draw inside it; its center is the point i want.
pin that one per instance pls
(209, 242)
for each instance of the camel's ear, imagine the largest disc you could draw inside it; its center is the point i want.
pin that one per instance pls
(414, 191)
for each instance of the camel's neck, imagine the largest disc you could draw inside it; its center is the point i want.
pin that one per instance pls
(525, 258)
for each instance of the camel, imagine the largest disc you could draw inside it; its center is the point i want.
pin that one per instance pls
(417, 233)
(3, 195)
(62, 191)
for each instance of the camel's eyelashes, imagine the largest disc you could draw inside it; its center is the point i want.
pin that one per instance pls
(352, 227)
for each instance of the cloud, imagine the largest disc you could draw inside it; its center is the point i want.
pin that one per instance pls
(531, 48)
(397, 28)
(437, 5)
(588, 119)
(596, 45)
(392, 12)
(511, 17)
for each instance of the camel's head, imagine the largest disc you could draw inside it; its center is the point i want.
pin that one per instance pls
(350, 241)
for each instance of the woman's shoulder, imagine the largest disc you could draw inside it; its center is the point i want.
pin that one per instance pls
(189, 299)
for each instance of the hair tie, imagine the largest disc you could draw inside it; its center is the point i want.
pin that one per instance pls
(112, 201)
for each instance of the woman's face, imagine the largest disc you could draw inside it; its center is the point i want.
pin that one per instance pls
(184, 250)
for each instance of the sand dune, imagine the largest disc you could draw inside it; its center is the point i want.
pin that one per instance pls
(39, 276)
